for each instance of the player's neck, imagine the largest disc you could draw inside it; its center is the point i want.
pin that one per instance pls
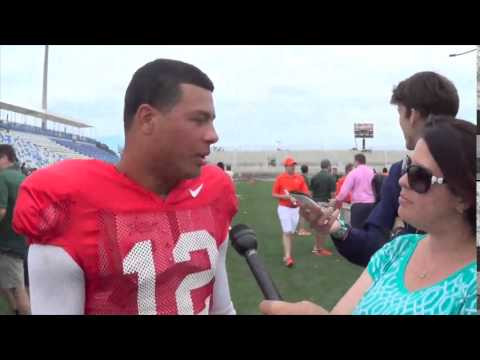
(135, 170)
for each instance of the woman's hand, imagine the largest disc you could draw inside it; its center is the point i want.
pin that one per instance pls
(270, 307)
(324, 222)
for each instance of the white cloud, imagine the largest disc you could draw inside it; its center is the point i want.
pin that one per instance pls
(298, 94)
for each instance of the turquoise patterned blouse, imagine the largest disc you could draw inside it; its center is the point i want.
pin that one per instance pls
(455, 295)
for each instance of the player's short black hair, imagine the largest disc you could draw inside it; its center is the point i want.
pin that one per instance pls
(8, 151)
(325, 164)
(384, 170)
(304, 169)
(428, 93)
(158, 84)
(221, 165)
(360, 158)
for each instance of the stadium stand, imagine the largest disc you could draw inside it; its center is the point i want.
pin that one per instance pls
(37, 147)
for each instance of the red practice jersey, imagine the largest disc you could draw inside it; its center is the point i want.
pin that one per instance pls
(140, 253)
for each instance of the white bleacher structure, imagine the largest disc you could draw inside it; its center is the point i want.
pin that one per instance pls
(38, 147)
(37, 151)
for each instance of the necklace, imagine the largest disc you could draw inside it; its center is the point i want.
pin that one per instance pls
(428, 261)
(423, 274)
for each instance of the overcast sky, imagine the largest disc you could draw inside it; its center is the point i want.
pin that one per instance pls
(301, 97)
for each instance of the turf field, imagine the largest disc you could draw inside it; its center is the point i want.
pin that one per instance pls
(3, 306)
(320, 279)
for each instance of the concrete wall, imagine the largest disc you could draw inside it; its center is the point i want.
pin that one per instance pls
(257, 162)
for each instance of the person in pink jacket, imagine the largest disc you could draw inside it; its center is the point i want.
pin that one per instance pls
(359, 184)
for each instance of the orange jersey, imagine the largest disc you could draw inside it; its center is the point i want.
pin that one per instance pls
(294, 182)
(340, 182)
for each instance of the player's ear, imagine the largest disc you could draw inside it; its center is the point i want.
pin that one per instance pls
(145, 117)
(415, 117)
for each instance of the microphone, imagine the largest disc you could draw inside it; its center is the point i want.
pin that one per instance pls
(244, 241)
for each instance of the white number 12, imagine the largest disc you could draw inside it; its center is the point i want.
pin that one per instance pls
(140, 261)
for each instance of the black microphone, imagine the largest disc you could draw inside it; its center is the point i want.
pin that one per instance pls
(244, 240)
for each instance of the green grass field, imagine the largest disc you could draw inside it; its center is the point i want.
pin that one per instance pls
(320, 279)
(3, 306)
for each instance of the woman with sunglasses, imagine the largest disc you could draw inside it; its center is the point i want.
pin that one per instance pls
(433, 273)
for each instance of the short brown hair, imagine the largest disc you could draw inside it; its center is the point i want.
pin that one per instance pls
(428, 93)
(360, 158)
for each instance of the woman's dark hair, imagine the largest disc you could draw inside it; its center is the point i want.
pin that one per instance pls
(452, 143)
(158, 84)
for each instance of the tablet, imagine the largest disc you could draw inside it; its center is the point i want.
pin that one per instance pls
(303, 198)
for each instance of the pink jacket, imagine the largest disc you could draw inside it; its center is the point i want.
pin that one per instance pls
(359, 183)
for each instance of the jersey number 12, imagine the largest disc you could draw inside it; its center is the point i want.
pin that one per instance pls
(140, 261)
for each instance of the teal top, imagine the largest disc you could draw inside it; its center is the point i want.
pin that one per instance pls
(454, 295)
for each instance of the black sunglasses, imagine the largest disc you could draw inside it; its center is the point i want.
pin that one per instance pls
(420, 179)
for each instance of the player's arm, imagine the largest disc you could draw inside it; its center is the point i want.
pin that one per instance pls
(337, 187)
(221, 300)
(304, 187)
(333, 189)
(57, 284)
(3, 198)
(276, 192)
(280, 196)
(346, 187)
(313, 185)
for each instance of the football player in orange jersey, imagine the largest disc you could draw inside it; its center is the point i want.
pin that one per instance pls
(288, 208)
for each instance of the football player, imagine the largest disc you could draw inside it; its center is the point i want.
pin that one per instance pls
(144, 236)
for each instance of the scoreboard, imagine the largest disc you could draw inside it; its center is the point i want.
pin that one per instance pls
(363, 130)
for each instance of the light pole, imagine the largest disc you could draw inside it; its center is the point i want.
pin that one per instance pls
(463, 53)
(478, 75)
(0, 72)
(44, 93)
